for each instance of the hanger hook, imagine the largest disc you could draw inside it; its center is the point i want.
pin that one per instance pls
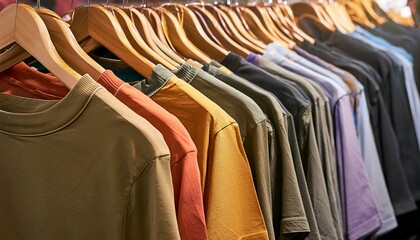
(38, 4)
(107, 3)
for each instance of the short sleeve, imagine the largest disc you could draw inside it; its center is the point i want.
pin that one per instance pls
(231, 204)
(151, 210)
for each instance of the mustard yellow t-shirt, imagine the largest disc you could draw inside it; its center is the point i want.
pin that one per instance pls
(230, 201)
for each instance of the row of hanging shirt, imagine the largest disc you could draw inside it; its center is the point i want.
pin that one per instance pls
(245, 139)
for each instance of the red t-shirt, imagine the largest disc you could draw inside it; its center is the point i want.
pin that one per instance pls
(22, 80)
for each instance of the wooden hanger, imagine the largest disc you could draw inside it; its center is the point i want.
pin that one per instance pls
(344, 15)
(279, 24)
(260, 31)
(148, 34)
(370, 12)
(201, 18)
(98, 23)
(136, 39)
(287, 10)
(358, 15)
(334, 16)
(316, 21)
(67, 45)
(156, 22)
(255, 25)
(236, 22)
(219, 33)
(323, 13)
(379, 10)
(221, 17)
(20, 24)
(11, 56)
(262, 13)
(178, 38)
(231, 30)
(289, 21)
(195, 32)
(310, 9)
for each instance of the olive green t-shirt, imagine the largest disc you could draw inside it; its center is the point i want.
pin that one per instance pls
(84, 167)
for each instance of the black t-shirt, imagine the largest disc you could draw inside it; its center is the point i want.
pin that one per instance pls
(284, 91)
(394, 27)
(385, 137)
(405, 38)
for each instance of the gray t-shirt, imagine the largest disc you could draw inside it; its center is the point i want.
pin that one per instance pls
(324, 142)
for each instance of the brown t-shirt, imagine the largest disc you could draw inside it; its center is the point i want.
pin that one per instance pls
(84, 167)
(21, 80)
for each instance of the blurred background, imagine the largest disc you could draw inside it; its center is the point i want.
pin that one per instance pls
(405, 7)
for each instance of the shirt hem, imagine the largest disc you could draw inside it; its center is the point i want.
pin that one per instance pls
(404, 207)
(294, 225)
(366, 228)
(387, 226)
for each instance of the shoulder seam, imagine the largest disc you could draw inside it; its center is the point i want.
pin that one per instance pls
(132, 185)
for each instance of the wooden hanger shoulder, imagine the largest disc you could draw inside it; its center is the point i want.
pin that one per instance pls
(258, 29)
(234, 33)
(22, 25)
(179, 39)
(196, 33)
(148, 34)
(136, 39)
(67, 46)
(309, 9)
(240, 27)
(221, 35)
(96, 22)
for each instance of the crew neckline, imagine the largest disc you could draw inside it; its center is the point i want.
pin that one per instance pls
(232, 61)
(253, 58)
(157, 80)
(211, 69)
(149, 86)
(45, 119)
(186, 72)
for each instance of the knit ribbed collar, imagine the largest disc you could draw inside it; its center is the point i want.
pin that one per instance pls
(33, 117)
(186, 72)
(157, 80)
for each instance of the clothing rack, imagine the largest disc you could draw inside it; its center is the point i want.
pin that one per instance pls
(259, 120)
